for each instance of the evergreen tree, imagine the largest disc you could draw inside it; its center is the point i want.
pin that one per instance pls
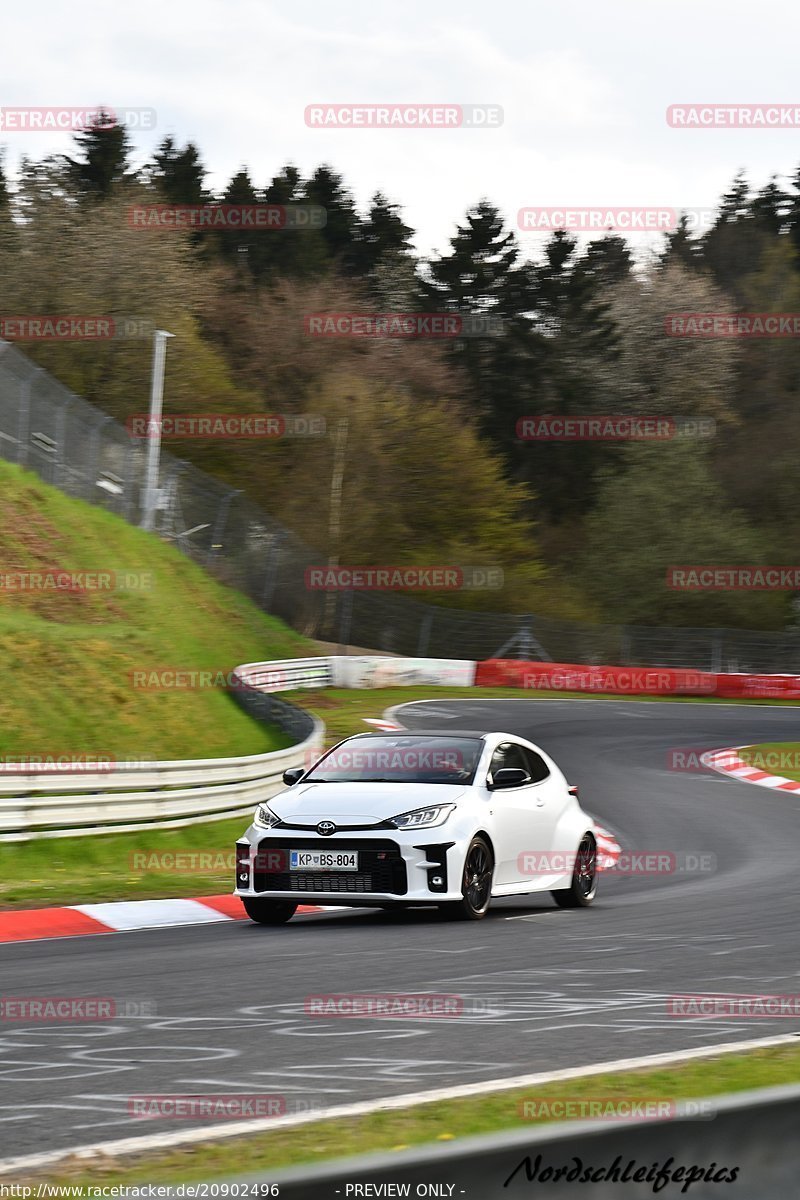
(481, 277)
(9, 232)
(5, 193)
(770, 207)
(732, 248)
(103, 162)
(383, 234)
(793, 214)
(607, 261)
(292, 253)
(342, 226)
(481, 272)
(179, 174)
(682, 249)
(243, 248)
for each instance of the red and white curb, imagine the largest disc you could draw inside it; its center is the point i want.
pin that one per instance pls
(608, 848)
(728, 762)
(125, 916)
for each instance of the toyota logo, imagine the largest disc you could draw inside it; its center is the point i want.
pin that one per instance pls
(326, 828)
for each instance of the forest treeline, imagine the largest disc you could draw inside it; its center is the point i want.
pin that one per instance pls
(434, 472)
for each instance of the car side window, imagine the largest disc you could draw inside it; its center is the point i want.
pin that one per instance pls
(509, 755)
(536, 766)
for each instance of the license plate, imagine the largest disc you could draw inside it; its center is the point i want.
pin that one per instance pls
(323, 860)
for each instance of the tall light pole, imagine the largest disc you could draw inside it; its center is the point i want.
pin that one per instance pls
(154, 426)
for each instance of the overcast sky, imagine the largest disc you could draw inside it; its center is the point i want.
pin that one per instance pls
(584, 87)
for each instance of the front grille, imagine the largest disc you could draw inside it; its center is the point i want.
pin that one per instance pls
(382, 869)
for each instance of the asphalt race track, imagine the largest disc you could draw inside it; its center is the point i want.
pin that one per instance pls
(543, 988)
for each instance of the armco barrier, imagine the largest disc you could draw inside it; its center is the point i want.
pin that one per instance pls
(753, 1134)
(173, 793)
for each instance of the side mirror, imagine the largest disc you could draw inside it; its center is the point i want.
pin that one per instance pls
(509, 777)
(293, 775)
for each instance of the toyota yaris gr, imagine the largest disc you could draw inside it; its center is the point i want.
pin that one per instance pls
(406, 819)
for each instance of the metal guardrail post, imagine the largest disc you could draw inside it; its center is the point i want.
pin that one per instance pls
(94, 457)
(424, 635)
(345, 620)
(24, 426)
(271, 571)
(219, 524)
(59, 466)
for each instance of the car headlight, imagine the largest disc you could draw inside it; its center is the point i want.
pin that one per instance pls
(265, 818)
(424, 818)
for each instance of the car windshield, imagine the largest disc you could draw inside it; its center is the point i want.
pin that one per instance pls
(399, 760)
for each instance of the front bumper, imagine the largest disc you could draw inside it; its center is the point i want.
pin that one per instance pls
(394, 867)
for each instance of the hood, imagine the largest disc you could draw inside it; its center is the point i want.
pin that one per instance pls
(358, 803)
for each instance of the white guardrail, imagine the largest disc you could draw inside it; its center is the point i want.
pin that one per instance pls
(37, 803)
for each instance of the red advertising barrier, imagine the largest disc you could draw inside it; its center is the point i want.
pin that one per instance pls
(768, 687)
(573, 677)
(638, 681)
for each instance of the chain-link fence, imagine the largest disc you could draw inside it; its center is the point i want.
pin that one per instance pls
(84, 452)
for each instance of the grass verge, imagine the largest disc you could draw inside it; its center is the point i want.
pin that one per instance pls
(196, 860)
(776, 758)
(423, 1124)
(69, 658)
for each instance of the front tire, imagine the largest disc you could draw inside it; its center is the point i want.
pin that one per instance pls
(583, 888)
(269, 912)
(476, 884)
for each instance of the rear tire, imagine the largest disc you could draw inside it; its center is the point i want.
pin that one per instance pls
(269, 912)
(476, 884)
(583, 889)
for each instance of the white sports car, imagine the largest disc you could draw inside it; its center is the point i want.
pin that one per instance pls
(405, 819)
